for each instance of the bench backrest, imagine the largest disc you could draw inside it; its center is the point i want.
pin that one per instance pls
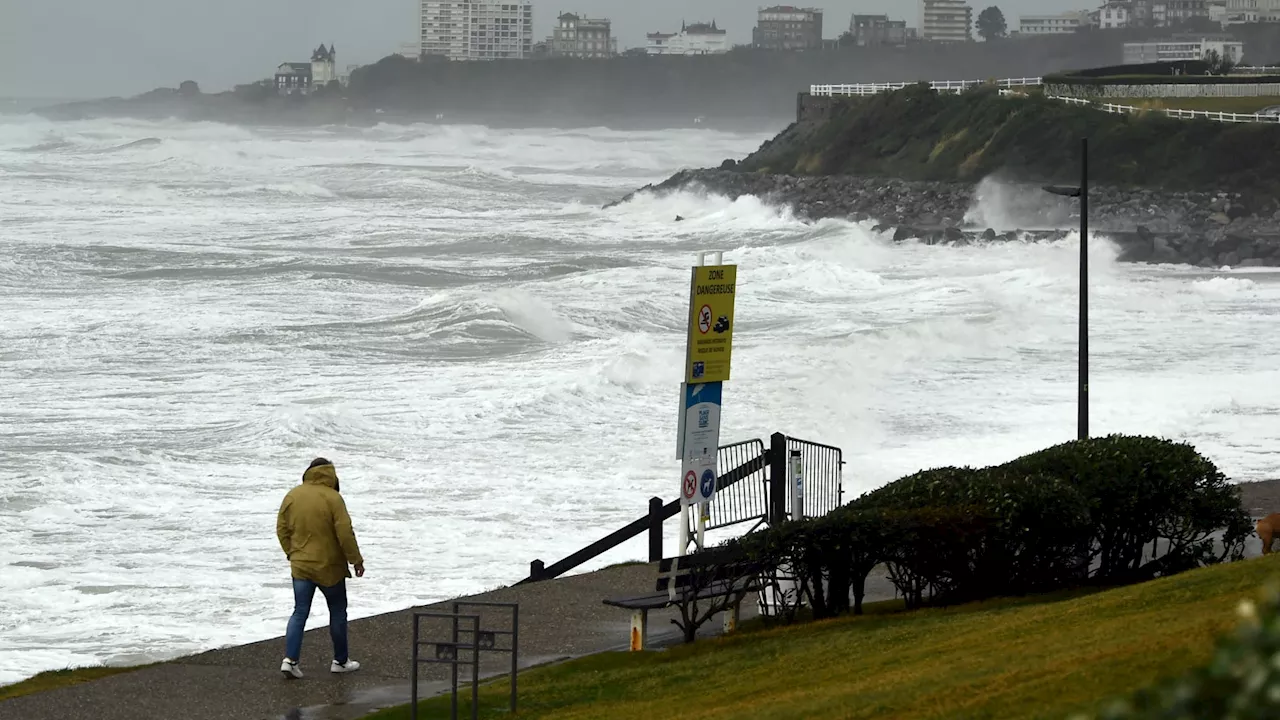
(704, 567)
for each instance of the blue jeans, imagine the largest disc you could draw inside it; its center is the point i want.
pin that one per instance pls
(336, 597)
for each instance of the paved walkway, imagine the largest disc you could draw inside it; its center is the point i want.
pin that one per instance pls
(559, 619)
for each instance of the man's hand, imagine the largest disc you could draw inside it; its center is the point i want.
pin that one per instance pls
(360, 570)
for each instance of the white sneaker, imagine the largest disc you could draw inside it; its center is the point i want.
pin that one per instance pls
(291, 669)
(351, 666)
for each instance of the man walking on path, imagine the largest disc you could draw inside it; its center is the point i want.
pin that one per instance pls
(316, 535)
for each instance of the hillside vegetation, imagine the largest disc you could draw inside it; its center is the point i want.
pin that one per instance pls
(1044, 657)
(919, 134)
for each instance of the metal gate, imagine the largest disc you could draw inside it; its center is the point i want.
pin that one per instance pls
(823, 484)
(742, 490)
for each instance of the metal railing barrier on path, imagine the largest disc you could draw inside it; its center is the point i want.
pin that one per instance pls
(755, 491)
(447, 652)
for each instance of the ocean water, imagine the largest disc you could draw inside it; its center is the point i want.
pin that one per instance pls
(191, 312)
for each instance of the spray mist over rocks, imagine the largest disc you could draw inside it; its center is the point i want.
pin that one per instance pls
(1192, 228)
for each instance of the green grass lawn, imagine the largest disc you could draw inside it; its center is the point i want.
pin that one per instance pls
(1245, 105)
(55, 679)
(1043, 657)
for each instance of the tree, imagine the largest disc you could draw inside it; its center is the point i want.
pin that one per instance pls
(991, 24)
(1218, 65)
(189, 87)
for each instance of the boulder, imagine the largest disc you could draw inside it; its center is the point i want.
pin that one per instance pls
(1162, 251)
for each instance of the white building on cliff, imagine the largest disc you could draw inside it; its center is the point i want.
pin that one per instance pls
(696, 39)
(324, 66)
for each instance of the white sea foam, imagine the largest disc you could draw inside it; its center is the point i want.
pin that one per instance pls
(492, 359)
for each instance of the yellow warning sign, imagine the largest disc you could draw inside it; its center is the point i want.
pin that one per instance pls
(711, 323)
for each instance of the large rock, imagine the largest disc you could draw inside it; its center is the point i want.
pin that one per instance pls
(1197, 228)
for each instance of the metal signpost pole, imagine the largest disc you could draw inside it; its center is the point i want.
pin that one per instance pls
(1082, 422)
(454, 696)
(413, 683)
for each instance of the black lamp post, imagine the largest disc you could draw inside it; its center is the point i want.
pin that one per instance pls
(1082, 192)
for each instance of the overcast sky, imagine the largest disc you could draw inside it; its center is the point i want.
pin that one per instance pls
(94, 48)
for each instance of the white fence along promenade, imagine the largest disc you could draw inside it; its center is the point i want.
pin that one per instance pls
(1171, 112)
(953, 86)
(1006, 88)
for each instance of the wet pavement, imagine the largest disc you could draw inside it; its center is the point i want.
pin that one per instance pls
(559, 619)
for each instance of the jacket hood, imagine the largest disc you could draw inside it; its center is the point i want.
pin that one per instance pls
(321, 475)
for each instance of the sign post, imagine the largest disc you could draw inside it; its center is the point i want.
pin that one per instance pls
(708, 353)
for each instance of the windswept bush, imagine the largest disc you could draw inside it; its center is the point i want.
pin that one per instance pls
(1155, 505)
(1129, 508)
(1034, 528)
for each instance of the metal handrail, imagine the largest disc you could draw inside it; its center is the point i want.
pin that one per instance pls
(652, 523)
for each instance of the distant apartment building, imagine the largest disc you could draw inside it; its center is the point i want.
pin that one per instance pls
(1252, 11)
(946, 21)
(1218, 12)
(1114, 15)
(695, 39)
(1181, 48)
(582, 37)
(1059, 24)
(784, 27)
(477, 29)
(870, 30)
(1174, 12)
(1169, 13)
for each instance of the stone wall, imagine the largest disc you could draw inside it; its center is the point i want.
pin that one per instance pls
(818, 108)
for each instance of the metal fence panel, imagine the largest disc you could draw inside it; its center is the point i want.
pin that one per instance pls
(746, 496)
(822, 466)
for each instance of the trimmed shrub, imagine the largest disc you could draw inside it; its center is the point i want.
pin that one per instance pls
(1127, 508)
(1034, 528)
(1154, 505)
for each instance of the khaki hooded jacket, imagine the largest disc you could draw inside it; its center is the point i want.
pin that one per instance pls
(315, 530)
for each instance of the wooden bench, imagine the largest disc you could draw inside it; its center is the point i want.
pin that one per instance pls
(719, 577)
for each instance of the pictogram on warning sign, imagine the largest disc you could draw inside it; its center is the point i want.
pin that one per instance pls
(690, 485)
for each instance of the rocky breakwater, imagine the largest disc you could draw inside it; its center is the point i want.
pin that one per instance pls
(1205, 229)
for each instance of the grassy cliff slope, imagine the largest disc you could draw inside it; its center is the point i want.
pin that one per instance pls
(1040, 657)
(922, 135)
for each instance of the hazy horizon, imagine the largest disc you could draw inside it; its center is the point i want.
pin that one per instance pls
(84, 49)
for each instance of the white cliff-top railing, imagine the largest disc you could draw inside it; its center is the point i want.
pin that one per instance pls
(1116, 109)
(953, 86)
(1255, 70)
